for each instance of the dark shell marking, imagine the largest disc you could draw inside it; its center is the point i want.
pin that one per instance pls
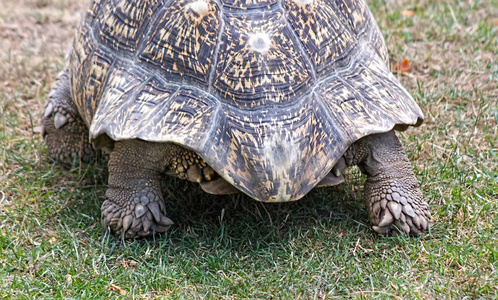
(269, 93)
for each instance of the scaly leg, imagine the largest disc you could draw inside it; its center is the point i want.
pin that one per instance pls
(135, 205)
(392, 195)
(63, 129)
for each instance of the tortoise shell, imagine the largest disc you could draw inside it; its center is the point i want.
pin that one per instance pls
(269, 93)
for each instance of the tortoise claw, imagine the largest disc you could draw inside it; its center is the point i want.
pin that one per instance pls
(48, 110)
(60, 120)
(127, 222)
(140, 210)
(381, 230)
(166, 221)
(155, 210)
(138, 221)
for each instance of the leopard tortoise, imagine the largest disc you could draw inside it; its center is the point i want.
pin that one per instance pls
(270, 98)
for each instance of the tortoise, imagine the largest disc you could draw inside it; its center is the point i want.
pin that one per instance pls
(269, 98)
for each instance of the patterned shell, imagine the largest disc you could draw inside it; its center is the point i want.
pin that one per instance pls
(269, 93)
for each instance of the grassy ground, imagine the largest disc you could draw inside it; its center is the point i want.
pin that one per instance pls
(51, 244)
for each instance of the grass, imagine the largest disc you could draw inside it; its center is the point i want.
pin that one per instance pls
(321, 247)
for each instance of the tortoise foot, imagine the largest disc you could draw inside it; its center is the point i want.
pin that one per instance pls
(135, 219)
(63, 128)
(396, 208)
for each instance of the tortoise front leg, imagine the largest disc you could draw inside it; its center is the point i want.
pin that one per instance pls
(392, 195)
(64, 131)
(135, 205)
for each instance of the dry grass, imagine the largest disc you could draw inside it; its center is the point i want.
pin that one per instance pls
(233, 247)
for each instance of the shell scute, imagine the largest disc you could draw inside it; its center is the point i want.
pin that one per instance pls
(182, 42)
(325, 39)
(250, 78)
(365, 99)
(79, 55)
(92, 77)
(278, 154)
(157, 111)
(356, 13)
(377, 42)
(189, 116)
(124, 22)
(121, 86)
(93, 11)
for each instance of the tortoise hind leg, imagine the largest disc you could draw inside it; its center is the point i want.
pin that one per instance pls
(64, 131)
(135, 205)
(392, 195)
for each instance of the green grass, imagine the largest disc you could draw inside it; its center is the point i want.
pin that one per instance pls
(321, 247)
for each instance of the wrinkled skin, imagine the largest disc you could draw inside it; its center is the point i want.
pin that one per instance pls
(135, 204)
